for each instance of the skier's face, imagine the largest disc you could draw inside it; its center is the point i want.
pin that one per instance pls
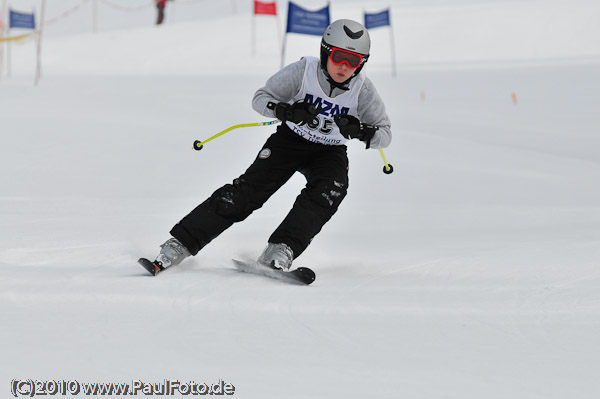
(339, 72)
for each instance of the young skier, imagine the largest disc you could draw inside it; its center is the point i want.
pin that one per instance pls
(322, 104)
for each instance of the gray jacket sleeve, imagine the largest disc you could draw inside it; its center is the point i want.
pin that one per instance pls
(282, 86)
(371, 110)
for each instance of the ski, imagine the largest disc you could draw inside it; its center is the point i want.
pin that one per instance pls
(301, 275)
(151, 267)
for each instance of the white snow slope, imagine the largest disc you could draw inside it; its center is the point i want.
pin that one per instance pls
(470, 272)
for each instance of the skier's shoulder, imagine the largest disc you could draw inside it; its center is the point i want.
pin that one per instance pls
(367, 84)
(295, 68)
(368, 92)
(292, 73)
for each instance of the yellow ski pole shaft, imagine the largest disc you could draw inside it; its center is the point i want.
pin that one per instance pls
(199, 144)
(387, 168)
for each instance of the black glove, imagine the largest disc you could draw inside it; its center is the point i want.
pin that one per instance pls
(351, 128)
(300, 112)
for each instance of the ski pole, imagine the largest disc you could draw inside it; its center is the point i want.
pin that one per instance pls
(387, 168)
(199, 144)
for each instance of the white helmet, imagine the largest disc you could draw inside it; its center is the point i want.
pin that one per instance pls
(347, 35)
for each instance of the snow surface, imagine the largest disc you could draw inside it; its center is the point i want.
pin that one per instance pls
(470, 272)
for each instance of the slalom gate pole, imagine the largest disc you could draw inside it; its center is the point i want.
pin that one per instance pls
(199, 144)
(387, 168)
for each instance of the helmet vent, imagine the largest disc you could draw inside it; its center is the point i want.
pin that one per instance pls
(353, 35)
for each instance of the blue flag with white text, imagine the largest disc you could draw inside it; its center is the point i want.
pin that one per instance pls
(21, 20)
(378, 19)
(307, 22)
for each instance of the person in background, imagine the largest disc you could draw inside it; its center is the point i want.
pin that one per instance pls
(160, 5)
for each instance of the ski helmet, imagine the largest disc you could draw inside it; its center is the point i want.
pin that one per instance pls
(346, 35)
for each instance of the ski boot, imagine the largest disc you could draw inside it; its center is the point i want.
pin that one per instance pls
(277, 256)
(172, 253)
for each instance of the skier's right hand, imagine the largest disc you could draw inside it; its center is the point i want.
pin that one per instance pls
(300, 112)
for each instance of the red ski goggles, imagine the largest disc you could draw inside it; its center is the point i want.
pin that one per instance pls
(338, 56)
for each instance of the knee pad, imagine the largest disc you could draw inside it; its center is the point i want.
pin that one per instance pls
(231, 200)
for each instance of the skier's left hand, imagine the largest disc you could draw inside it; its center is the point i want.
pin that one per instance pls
(351, 128)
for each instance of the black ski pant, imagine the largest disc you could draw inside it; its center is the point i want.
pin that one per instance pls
(284, 153)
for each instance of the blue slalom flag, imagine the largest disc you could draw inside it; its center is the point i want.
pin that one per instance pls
(307, 22)
(21, 20)
(378, 19)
